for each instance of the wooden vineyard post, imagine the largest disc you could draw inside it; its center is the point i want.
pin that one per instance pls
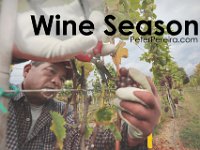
(7, 26)
(171, 103)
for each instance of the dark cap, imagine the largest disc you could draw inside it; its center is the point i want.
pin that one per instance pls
(68, 66)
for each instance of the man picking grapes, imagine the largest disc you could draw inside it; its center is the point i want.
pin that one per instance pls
(30, 120)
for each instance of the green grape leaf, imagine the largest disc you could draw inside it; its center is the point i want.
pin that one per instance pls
(117, 135)
(88, 67)
(88, 131)
(135, 16)
(112, 3)
(115, 131)
(104, 115)
(57, 127)
(135, 4)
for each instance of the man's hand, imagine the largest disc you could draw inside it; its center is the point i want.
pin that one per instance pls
(139, 108)
(58, 47)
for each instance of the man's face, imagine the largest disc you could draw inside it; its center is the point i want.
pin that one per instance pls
(44, 76)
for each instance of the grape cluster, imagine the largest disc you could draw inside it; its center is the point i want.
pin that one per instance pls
(175, 100)
(167, 80)
(125, 80)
